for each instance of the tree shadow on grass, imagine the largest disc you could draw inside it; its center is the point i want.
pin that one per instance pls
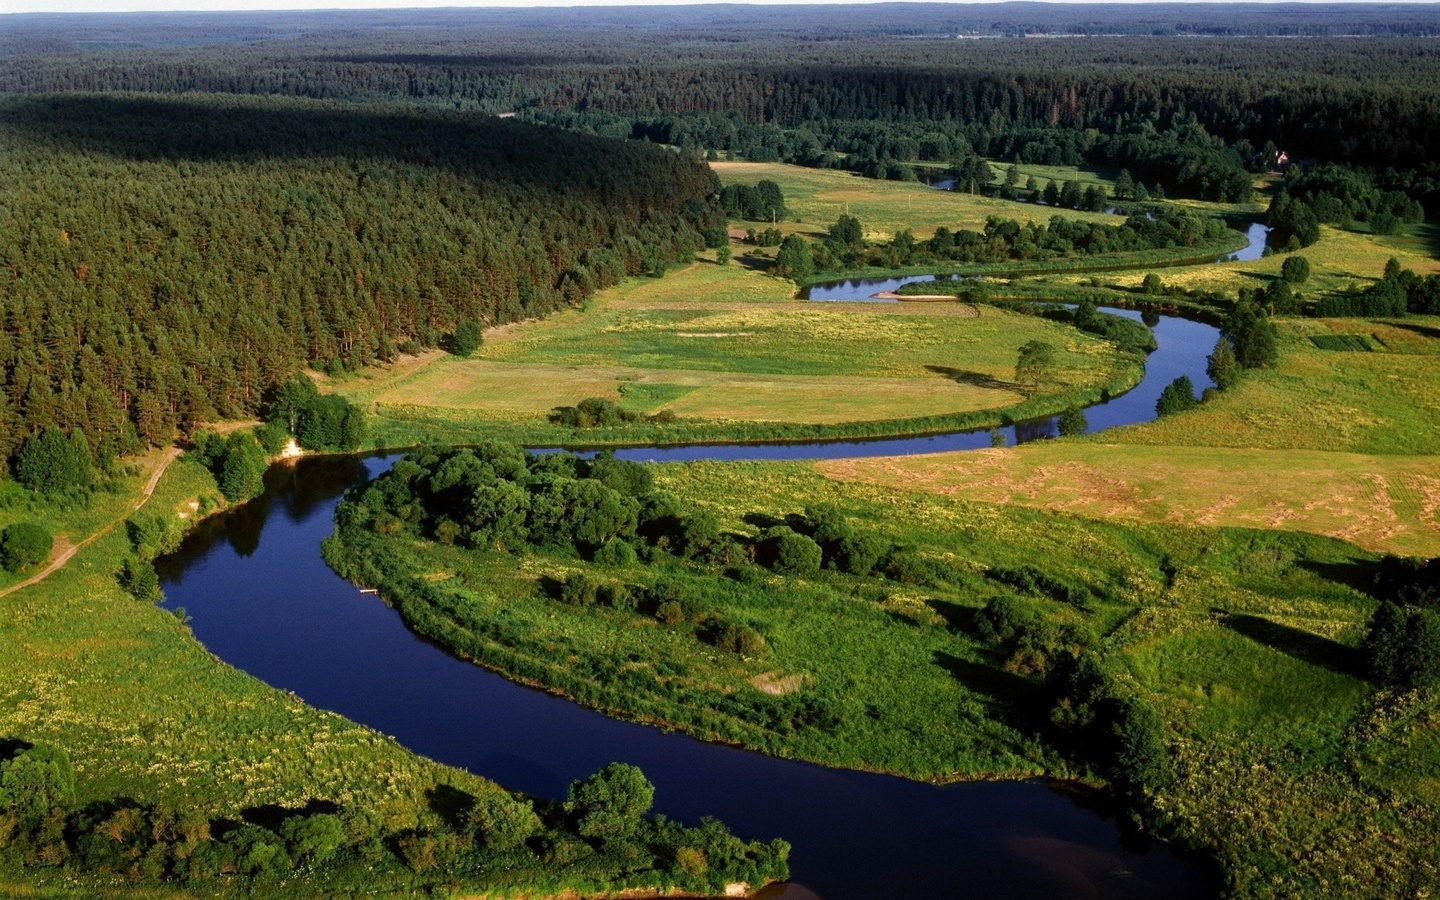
(975, 379)
(1428, 331)
(1301, 645)
(957, 618)
(273, 815)
(1357, 574)
(1000, 686)
(450, 804)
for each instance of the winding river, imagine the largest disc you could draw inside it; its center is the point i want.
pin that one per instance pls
(261, 598)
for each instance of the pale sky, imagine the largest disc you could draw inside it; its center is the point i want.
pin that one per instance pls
(57, 6)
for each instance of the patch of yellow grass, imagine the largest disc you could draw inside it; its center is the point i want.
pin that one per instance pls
(1389, 503)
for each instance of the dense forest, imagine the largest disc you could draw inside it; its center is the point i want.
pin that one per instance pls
(220, 244)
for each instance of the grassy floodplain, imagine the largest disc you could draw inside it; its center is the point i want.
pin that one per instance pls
(149, 715)
(727, 352)
(1333, 442)
(1243, 640)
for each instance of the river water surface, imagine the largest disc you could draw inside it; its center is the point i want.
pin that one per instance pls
(262, 599)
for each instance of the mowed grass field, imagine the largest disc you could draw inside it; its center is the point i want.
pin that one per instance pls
(816, 198)
(1342, 443)
(721, 343)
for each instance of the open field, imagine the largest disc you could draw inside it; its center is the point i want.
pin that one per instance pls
(1341, 443)
(1383, 503)
(720, 344)
(1379, 402)
(816, 198)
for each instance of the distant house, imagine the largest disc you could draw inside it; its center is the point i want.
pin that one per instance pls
(508, 115)
(1282, 158)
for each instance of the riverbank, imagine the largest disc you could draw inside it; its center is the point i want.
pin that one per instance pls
(158, 719)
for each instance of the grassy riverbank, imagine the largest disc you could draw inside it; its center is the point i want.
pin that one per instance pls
(147, 714)
(1243, 641)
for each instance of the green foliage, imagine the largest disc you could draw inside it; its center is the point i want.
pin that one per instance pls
(847, 231)
(1072, 422)
(1295, 269)
(1036, 363)
(794, 260)
(1252, 335)
(23, 545)
(616, 553)
(1152, 285)
(1178, 396)
(742, 640)
(139, 578)
(1222, 366)
(1403, 646)
(501, 823)
(312, 839)
(790, 553)
(331, 423)
(466, 339)
(273, 436)
(53, 463)
(609, 805)
(35, 781)
(241, 472)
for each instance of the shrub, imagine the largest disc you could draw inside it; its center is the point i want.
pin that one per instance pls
(36, 781)
(1222, 366)
(500, 822)
(609, 805)
(272, 437)
(670, 612)
(616, 553)
(579, 590)
(1403, 646)
(857, 554)
(139, 578)
(23, 545)
(241, 467)
(740, 639)
(1295, 269)
(1178, 396)
(314, 838)
(1072, 422)
(790, 553)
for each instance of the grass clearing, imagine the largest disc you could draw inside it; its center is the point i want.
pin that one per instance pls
(816, 198)
(1382, 503)
(667, 345)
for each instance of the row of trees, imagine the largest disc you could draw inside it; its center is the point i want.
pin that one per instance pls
(1003, 240)
(604, 816)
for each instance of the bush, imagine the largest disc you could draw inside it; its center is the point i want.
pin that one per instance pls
(580, 590)
(139, 578)
(857, 554)
(617, 554)
(23, 545)
(314, 838)
(1295, 269)
(272, 437)
(241, 470)
(500, 822)
(670, 612)
(1072, 422)
(1403, 646)
(1178, 396)
(740, 639)
(610, 804)
(1222, 366)
(790, 553)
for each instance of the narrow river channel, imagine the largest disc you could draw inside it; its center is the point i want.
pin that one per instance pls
(262, 599)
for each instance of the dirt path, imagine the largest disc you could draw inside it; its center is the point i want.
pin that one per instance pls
(55, 564)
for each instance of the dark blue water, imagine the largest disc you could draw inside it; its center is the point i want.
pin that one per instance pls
(261, 598)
